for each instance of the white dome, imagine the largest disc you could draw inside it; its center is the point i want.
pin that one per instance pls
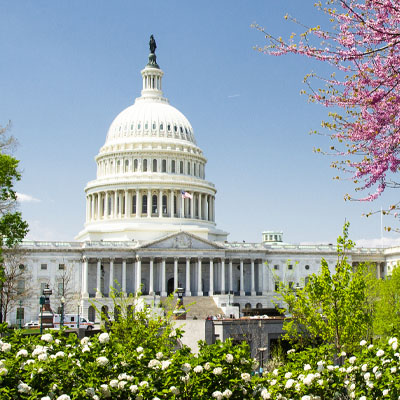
(149, 118)
(150, 174)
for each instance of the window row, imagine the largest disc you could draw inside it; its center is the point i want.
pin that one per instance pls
(179, 131)
(152, 165)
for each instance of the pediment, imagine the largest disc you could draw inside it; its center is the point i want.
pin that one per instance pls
(182, 240)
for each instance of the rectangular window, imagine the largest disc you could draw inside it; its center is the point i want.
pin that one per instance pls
(21, 286)
(276, 286)
(291, 285)
(276, 267)
(42, 287)
(43, 266)
(20, 313)
(290, 266)
(61, 266)
(60, 289)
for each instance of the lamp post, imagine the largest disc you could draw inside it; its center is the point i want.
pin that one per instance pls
(62, 312)
(261, 350)
(20, 314)
(180, 312)
(42, 300)
(79, 317)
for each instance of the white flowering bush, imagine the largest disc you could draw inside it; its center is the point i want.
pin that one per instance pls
(371, 373)
(140, 358)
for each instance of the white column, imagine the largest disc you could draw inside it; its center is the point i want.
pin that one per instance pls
(98, 278)
(199, 282)
(160, 205)
(264, 278)
(138, 204)
(175, 275)
(163, 281)
(192, 206)
(115, 204)
(138, 274)
(106, 206)
(231, 276)
(111, 281)
(253, 286)
(124, 276)
(199, 205)
(187, 291)
(98, 205)
(242, 293)
(148, 203)
(151, 283)
(211, 291)
(179, 206)
(85, 291)
(127, 208)
(171, 204)
(222, 275)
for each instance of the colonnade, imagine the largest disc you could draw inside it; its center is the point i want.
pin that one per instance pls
(139, 203)
(219, 272)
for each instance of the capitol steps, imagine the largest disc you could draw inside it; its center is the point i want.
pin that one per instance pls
(199, 307)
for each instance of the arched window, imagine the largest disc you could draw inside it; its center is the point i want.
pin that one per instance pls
(188, 168)
(145, 165)
(247, 306)
(259, 305)
(181, 167)
(154, 165)
(134, 204)
(164, 204)
(173, 169)
(164, 166)
(135, 165)
(154, 204)
(161, 127)
(126, 165)
(195, 169)
(144, 204)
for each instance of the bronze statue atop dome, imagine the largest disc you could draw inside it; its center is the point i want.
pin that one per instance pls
(152, 56)
(152, 45)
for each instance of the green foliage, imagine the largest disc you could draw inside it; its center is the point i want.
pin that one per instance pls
(140, 358)
(332, 307)
(387, 308)
(371, 373)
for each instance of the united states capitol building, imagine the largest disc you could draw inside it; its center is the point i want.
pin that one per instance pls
(151, 227)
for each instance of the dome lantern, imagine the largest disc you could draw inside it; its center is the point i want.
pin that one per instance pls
(152, 74)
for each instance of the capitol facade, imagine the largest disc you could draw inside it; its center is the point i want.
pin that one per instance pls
(151, 228)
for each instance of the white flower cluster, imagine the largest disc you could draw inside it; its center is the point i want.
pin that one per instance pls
(104, 338)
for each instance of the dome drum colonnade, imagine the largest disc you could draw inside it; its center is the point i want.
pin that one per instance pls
(150, 203)
(152, 275)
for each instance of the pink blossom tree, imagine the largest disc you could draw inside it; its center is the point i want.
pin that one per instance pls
(363, 93)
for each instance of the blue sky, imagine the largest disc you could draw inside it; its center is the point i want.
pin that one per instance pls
(68, 68)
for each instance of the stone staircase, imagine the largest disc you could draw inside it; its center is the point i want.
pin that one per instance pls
(198, 307)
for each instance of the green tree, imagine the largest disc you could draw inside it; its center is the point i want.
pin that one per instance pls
(387, 309)
(12, 227)
(332, 307)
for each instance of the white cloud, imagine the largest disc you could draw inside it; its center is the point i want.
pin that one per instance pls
(26, 198)
(378, 242)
